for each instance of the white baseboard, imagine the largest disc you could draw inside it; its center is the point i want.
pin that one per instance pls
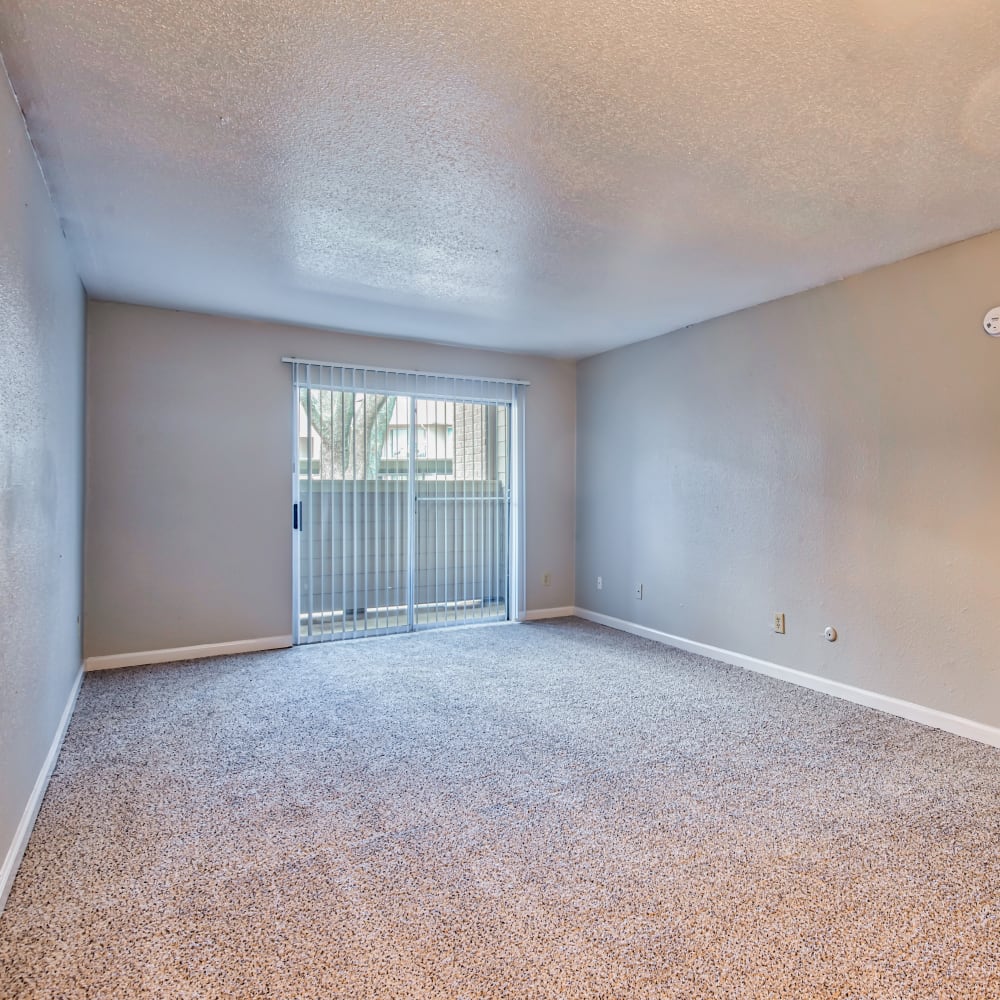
(21, 836)
(540, 613)
(117, 660)
(978, 731)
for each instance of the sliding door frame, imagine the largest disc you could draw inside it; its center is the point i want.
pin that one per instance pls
(414, 385)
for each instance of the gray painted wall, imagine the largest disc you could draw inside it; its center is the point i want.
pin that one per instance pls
(834, 455)
(41, 469)
(188, 483)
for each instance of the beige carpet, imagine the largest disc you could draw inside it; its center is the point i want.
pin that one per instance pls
(549, 810)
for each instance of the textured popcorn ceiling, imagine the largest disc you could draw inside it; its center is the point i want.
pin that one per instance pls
(552, 176)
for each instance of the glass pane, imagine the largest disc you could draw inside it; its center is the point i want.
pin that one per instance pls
(354, 492)
(461, 512)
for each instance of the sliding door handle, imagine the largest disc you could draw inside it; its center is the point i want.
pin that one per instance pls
(297, 516)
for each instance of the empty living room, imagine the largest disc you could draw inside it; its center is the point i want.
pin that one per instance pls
(500, 501)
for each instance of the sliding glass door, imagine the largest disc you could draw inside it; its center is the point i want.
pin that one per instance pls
(462, 511)
(352, 538)
(402, 515)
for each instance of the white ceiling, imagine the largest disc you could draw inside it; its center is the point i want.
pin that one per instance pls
(556, 176)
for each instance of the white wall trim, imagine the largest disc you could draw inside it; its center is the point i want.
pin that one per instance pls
(117, 660)
(933, 717)
(540, 613)
(23, 833)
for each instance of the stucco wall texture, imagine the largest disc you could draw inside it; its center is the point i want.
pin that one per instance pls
(41, 469)
(834, 456)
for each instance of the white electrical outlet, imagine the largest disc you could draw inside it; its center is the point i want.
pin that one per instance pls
(779, 622)
(638, 591)
(600, 583)
(546, 579)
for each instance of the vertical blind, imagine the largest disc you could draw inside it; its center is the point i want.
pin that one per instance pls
(408, 493)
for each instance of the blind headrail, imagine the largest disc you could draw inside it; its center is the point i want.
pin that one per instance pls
(378, 370)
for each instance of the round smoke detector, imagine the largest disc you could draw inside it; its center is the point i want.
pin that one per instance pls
(991, 324)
